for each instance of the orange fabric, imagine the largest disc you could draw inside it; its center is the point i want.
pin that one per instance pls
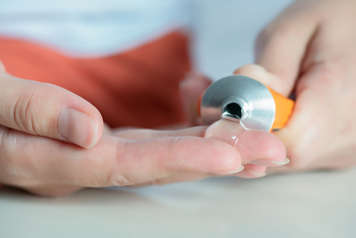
(284, 109)
(139, 87)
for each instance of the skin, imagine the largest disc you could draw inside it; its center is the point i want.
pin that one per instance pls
(36, 157)
(259, 150)
(309, 49)
(305, 50)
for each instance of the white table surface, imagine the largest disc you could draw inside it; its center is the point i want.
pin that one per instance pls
(317, 204)
(298, 205)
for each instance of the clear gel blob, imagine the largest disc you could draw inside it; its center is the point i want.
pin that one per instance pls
(226, 130)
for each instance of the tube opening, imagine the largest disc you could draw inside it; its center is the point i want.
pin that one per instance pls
(234, 110)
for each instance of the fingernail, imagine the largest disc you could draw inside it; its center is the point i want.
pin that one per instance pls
(257, 174)
(78, 128)
(237, 170)
(265, 162)
(281, 163)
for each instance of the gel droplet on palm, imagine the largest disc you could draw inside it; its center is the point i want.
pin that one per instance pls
(226, 130)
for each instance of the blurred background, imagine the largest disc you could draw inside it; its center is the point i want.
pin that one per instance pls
(224, 31)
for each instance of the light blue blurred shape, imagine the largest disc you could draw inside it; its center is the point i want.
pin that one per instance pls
(92, 27)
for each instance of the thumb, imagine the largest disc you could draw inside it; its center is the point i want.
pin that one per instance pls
(49, 111)
(281, 46)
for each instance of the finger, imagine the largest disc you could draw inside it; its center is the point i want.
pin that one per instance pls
(281, 46)
(258, 73)
(261, 148)
(256, 147)
(311, 124)
(137, 134)
(317, 92)
(30, 161)
(52, 190)
(50, 111)
(191, 90)
(252, 171)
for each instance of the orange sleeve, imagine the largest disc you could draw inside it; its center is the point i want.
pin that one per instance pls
(138, 87)
(284, 109)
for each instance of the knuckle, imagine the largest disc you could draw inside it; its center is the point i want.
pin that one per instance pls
(113, 175)
(114, 178)
(23, 114)
(27, 108)
(327, 69)
(326, 73)
(119, 180)
(14, 169)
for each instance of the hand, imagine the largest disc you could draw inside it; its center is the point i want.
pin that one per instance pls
(258, 150)
(39, 152)
(310, 49)
(46, 110)
(34, 110)
(125, 158)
